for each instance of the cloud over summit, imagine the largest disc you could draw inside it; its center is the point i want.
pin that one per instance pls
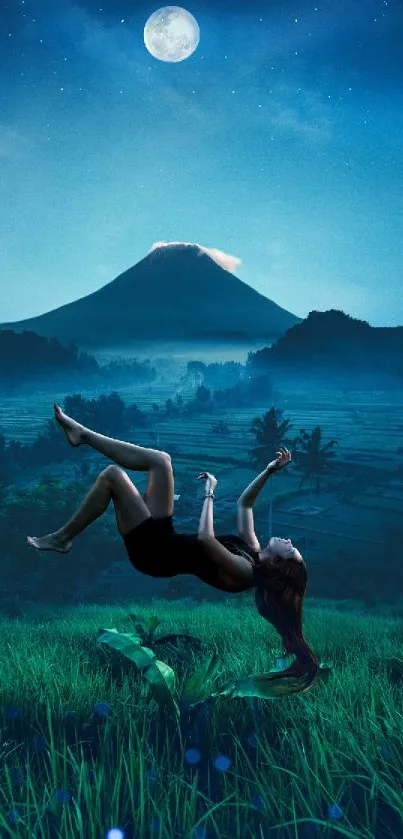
(224, 260)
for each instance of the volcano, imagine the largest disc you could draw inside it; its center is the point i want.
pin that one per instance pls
(175, 294)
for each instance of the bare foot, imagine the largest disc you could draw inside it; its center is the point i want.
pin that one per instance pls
(72, 429)
(51, 542)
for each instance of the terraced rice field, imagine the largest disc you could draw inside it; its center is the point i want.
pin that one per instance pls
(369, 429)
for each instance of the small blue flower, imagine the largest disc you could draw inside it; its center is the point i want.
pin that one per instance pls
(199, 832)
(192, 756)
(15, 816)
(155, 826)
(102, 709)
(91, 776)
(257, 802)
(384, 751)
(222, 763)
(39, 743)
(252, 739)
(335, 812)
(17, 777)
(115, 833)
(63, 796)
(11, 712)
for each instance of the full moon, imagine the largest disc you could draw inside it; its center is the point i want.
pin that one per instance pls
(171, 34)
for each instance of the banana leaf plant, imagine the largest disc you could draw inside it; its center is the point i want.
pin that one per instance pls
(160, 676)
(147, 631)
(198, 687)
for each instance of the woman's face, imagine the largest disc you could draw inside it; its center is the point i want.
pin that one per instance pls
(284, 548)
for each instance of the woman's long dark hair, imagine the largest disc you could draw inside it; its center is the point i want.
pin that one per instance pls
(280, 591)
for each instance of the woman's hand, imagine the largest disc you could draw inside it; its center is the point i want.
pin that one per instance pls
(283, 459)
(211, 481)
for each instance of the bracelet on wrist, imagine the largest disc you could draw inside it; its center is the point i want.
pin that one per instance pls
(209, 495)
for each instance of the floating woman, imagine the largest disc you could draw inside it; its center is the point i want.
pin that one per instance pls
(229, 563)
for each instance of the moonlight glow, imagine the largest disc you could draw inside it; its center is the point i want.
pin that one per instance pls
(171, 34)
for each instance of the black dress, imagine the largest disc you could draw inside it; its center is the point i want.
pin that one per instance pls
(155, 548)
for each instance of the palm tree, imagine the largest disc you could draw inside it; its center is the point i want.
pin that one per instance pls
(270, 432)
(313, 460)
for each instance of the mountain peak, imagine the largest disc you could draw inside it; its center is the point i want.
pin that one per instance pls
(224, 260)
(178, 293)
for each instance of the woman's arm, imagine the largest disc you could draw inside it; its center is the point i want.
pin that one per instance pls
(206, 523)
(236, 567)
(249, 495)
(252, 491)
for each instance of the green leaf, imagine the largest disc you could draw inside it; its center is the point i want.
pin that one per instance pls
(269, 685)
(147, 627)
(152, 622)
(177, 638)
(262, 687)
(163, 684)
(197, 686)
(129, 645)
(160, 676)
(139, 627)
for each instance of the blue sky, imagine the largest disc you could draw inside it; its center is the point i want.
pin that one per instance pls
(279, 142)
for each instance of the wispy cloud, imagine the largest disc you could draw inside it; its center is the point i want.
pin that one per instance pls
(12, 141)
(310, 126)
(118, 52)
(224, 260)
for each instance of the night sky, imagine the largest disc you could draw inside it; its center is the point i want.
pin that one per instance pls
(279, 142)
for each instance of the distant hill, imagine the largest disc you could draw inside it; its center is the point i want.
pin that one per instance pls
(333, 345)
(29, 361)
(175, 294)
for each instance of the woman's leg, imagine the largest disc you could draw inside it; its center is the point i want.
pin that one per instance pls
(159, 496)
(113, 483)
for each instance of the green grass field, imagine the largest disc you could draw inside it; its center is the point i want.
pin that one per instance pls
(86, 749)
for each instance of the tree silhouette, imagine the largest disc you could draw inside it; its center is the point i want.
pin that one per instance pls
(171, 410)
(314, 459)
(135, 417)
(105, 414)
(271, 433)
(221, 428)
(5, 471)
